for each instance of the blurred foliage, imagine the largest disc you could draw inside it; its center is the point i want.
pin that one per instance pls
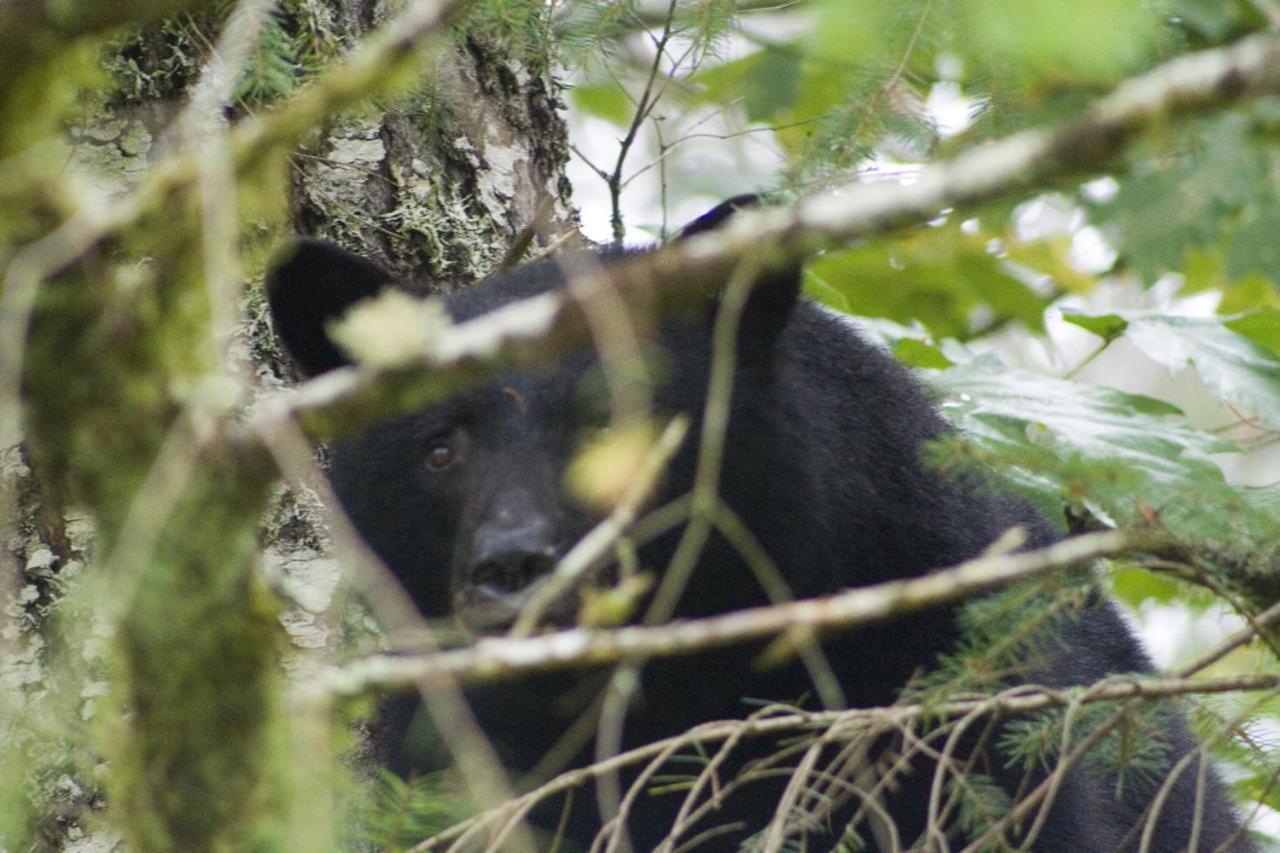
(937, 276)
(400, 812)
(1215, 185)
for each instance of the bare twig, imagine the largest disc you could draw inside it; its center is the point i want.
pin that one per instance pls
(705, 498)
(646, 104)
(715, 423)
(1019, 700)
(1256, 628)
(201, 128)
(214, 89)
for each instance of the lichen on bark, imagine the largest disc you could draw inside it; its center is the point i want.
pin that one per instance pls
(437, 186)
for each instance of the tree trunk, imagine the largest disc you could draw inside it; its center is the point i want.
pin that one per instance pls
(436, 185)
(437, 190)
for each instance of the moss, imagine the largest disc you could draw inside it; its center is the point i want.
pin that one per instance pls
(109, 148)
(39, 89)
(47, 786)
(332, 180)
(427, 104)
(118, 350)
(193, 761)
(121, 348)
(93, 421)
(319, 36)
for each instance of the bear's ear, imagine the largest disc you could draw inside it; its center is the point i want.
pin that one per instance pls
(772, 300)
(317, 282)
(720, 214)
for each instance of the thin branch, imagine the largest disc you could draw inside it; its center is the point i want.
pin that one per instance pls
(1043, 792)
(202, 128)
(895, 79)
(502, 657)
(1257, 627)
(1019, 700)
(215, 88)
(392, 606)
(643, 108)
(705, 496)
(591, 549)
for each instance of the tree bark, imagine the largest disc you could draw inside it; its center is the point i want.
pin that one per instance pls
(436, 189)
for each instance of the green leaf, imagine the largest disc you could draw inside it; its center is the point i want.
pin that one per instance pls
(1115, 453)
(1090, 420)
(1092, 41)
(937, 276)
(402, 812)
(1253, 247)
(604, 100)
(920, 354)
(772, 85)
(851, 32)
(1134, 586)
(272, 66)
(723, 82)
(1235, 368)
(998, 288)
(1217, 21)
(1202, 270)
(1252, 291)
(862, 69)
(1261, 326)
(1052, 257)
(1106, 326)
(1201, 181)
(1212, 19)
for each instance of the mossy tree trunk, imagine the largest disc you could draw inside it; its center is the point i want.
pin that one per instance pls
(131, 398)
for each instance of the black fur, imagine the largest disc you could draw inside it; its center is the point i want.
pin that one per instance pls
(823, 465)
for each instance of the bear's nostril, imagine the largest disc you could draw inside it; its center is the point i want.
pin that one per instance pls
(511, 571)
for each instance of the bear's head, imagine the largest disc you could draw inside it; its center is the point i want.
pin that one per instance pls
(466, 500)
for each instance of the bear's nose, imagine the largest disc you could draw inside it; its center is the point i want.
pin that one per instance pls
(510, 554)
(505, 564)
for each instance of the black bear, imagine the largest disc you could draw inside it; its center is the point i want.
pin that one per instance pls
(465, 501)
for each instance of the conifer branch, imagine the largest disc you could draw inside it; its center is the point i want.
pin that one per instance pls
(853, 723)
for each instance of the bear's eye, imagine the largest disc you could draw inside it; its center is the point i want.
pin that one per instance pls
(443, 451)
